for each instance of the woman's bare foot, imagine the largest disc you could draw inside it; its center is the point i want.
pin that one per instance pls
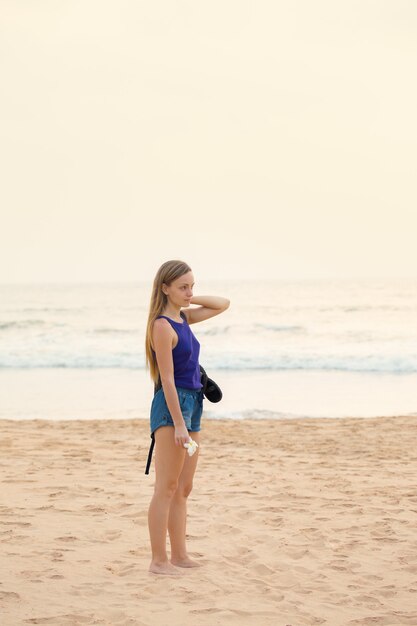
(186, 562)
(164, 568)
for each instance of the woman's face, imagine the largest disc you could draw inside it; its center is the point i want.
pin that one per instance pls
(180, 290)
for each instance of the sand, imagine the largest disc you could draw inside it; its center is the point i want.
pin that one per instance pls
(295, 522)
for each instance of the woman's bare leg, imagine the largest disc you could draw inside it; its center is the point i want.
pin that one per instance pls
(177, 520)
(169, 460)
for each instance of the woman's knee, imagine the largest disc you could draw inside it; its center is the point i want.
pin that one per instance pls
(184, 489)
(166, 488)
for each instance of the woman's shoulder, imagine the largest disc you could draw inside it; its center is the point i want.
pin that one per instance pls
(162, 331)
(161, 322)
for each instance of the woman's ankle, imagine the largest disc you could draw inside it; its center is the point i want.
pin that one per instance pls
(178, 556)
(160, 561)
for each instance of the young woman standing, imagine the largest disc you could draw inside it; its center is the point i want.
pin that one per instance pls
(172, 355)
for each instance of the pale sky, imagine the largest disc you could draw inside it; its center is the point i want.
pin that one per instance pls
(258, 139)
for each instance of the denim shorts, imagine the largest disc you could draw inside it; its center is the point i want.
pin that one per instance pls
(191, 405)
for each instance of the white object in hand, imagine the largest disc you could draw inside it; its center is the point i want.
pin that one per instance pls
(191, 447)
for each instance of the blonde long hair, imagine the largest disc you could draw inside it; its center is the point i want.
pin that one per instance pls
(168, 272)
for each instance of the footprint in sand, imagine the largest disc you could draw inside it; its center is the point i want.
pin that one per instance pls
(9, 595)
(125, 571)
(94, 509)
(68, 618)
(207, 611)
(110, 535)
(264, 570)
(298, 554)
(371, 577)
(387, 591)
(66, 538)
(369, 601)
(55, 493)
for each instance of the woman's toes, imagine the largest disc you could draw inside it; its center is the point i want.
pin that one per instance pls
(166, 568)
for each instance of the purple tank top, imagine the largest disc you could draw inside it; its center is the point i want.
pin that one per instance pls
(185, 355)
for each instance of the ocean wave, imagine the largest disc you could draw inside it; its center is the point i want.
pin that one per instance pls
(255, 414)
(281, 328)
(372, 364)
(216, 330)
(22, 324)
(116, 331)
(365, 308)
(45, 310)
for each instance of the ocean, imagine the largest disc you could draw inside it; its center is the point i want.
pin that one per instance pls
(300, 348)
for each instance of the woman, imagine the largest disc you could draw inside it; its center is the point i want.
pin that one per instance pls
(172, 353)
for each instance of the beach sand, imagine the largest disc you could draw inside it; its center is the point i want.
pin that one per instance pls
(296, 522)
